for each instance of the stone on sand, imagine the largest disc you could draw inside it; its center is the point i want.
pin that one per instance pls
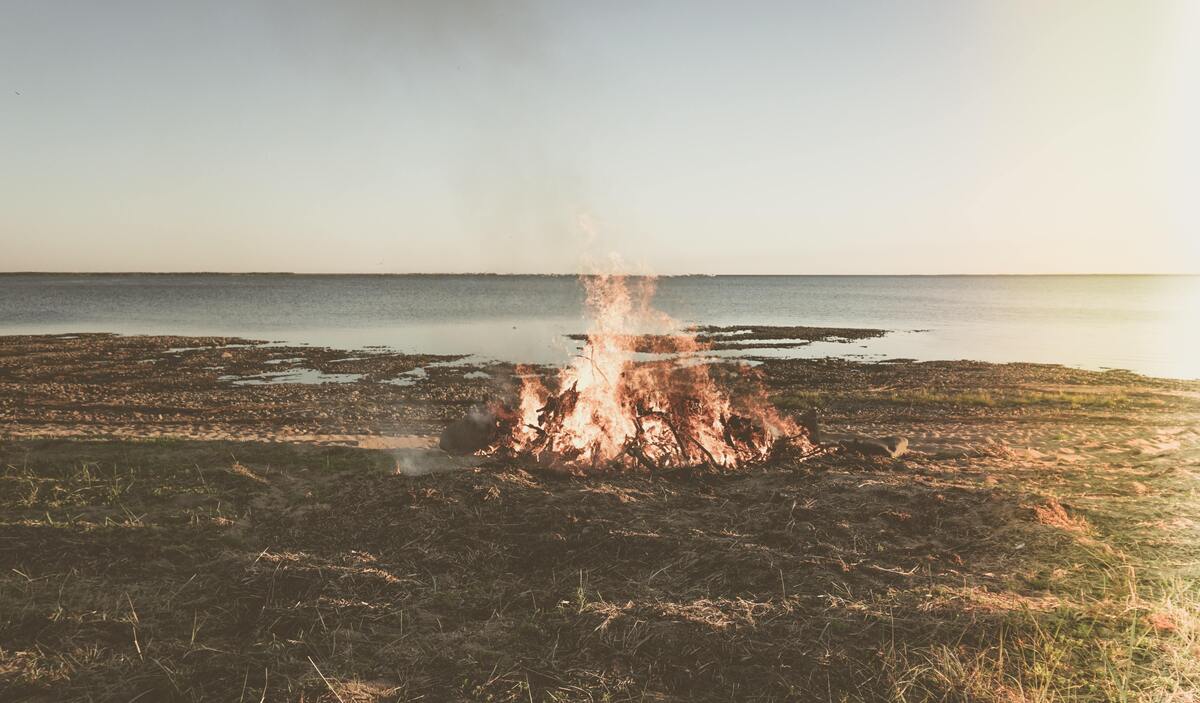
(473, 432)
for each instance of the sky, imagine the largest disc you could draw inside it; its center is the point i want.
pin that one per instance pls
(1015, 136)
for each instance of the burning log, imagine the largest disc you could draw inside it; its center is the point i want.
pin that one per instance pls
(659, 440)
(613, 410)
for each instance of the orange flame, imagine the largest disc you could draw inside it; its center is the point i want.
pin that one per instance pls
(612, 409)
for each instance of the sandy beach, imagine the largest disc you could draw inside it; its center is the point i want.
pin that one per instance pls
(183, 518)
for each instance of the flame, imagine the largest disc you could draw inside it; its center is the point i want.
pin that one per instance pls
(611, 408)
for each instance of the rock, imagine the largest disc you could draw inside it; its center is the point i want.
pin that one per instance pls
(812, 423)
(470, 434)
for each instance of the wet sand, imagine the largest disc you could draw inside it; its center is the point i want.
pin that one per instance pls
(175, 526)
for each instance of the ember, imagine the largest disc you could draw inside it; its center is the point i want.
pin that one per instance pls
(613, 410)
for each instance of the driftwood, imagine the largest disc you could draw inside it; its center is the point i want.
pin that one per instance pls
(891, 446)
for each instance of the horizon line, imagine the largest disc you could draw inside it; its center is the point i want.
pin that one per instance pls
(573, 274)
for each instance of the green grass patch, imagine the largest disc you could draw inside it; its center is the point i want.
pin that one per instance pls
(980, 398)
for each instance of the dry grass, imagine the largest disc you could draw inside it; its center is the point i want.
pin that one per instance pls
(240, 571)
(1052, 513)
(202, 571)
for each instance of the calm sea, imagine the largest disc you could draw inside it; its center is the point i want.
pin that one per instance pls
(1143, 323)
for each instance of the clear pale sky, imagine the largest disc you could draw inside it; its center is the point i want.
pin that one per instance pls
(697, 137)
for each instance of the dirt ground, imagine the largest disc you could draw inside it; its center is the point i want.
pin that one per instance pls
(172, 527)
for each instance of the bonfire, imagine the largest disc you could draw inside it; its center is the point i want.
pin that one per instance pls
(634, 400)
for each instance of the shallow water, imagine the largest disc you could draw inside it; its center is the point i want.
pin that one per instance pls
(292, 375)
(1143, 323)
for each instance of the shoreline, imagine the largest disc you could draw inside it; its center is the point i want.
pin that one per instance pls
(856, 344)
